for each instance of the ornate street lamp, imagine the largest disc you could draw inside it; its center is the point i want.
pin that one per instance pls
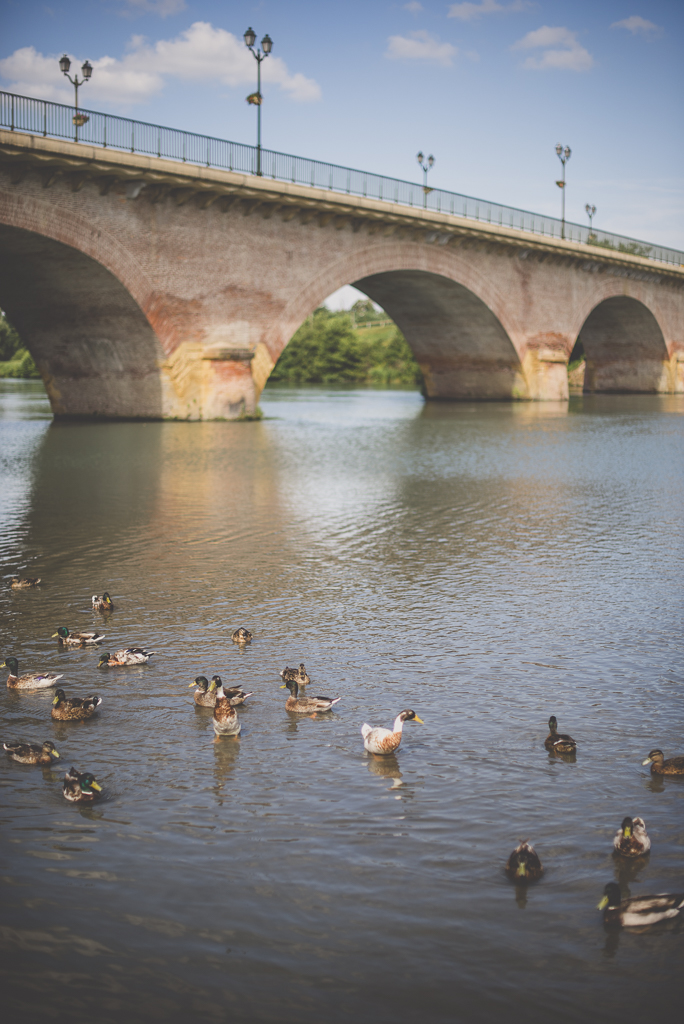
(256, 97)
(425, 166)
(563, 155)
(591, 210)
(86, 70)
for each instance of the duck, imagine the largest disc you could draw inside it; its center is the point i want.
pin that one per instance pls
(32, 753)
(226, 721)
(305, 705)
(385, 741)
(234, 694)
(524, 865)
(638, 910)
(241, 636)
(205, 694)
(68, 709)
(24, 582)
(129, 656)
(80, 787)
(68, 639)
(103, 604)
(659, 766)
(631, 839)
(30, 681)
(296, 675)
(559, 742)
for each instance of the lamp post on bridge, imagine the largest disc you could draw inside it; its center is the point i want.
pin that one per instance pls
(86, 70)
(256, 97)
(591, 210)
(563, 156)
(425, 165)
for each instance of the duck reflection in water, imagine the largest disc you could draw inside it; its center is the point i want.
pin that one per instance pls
(226, 752)
(386, 767)
(628, 870)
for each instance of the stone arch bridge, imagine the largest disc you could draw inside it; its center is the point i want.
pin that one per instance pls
(148, 288)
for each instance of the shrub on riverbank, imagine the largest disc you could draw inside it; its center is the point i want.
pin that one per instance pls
(328, 350)
(15, 360)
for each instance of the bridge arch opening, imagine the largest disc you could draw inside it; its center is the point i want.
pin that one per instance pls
(94, 347)
(624, 348)
(460, 345)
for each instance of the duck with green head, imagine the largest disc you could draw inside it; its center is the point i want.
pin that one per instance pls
(68, 639)
(127, 656)
(30, 680)
(631, 839)
(205, 693)
(524, 864)
(234, 694)
(32, 753)
(638, 911)
(103, 604)
(80, 787)
(74, 709)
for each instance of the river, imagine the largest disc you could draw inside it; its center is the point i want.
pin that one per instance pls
(487, 565)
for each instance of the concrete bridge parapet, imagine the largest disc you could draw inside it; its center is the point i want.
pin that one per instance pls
(150, 288)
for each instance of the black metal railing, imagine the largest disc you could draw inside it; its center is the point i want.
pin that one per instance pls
(42, 117)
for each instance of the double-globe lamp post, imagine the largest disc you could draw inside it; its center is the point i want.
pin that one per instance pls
(86, 70)
(591, 210)
(255, 97)
(563, 155)
(425, 165)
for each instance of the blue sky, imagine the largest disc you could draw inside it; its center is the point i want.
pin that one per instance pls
(489, 87)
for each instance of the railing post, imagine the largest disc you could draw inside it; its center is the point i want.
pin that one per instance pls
(105, 132)
(12, 114)
(132, 136)
(44, 118)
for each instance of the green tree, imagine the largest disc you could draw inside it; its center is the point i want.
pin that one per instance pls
(15, 360)
(324, 350)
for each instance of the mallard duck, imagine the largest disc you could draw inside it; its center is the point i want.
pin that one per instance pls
(35, 681)
(305, 705)
(524, 865)
(659, 766)
(32, 753)
(69, 709)
(559, 742)
(68, 639)
(226, 721)
(296, 675)
(631, 839)
(205, 694)
(234, 694)
(385, 741)
(241, 636)
(129, 656)
(638, 910)
(80, 787)
(24, 582)
(103, 604)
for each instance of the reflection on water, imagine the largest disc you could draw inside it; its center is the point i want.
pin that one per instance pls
(487, 565)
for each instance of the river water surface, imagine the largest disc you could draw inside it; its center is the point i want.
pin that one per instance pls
(486, 565)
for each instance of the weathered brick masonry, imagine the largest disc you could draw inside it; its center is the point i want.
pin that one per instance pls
(147, 288)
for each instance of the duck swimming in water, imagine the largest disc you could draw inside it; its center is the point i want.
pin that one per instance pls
(32, 753)
(128, 656)
(29, 681)
(631, 839)
(205, 694)
(638, 910)
(241, 636)
(385, 741)
(295, 675)
(234, 694)
(226, 721)
(80, 787)
(68, 639)
(524, 865)
(559, 742)
(103, 604)
(306, 705)
(659, 766)
(74, 709)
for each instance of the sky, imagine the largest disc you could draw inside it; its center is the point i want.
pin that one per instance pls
(488, 87)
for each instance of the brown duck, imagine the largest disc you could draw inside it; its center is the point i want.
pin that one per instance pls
(73, 709)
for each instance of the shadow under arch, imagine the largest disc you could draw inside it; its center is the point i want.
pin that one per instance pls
(96, 351)
(624, 348)
(459, 343)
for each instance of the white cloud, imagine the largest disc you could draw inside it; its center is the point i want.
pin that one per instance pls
(160, 7)
(570, 55)
(200, 53)
(420, 46)
(471, 11)
(414, 7)
(636, 24)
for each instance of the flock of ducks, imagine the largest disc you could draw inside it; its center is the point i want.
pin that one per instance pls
(523, 866)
